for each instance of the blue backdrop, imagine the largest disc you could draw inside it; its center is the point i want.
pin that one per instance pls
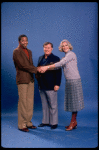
(53, 22)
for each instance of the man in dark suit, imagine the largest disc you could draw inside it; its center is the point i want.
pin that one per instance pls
(23, 62)
(49, 83)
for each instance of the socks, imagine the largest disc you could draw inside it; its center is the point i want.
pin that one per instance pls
(74, 115)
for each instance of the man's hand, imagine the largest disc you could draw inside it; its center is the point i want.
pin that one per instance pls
(56, 88)
(42, 69)
(39, 69)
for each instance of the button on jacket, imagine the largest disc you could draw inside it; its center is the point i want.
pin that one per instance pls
(50, 78)
(24, 66)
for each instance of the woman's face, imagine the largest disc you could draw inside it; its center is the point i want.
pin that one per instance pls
(65, 47)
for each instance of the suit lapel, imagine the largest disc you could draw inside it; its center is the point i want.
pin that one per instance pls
(46, 62)
(23, 53)
(30, 58)
(40, 59)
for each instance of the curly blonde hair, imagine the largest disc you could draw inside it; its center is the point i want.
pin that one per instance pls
(69, 44)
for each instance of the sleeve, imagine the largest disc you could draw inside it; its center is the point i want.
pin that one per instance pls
(58, 75)
(60, 64)
(38, 75)
(23, 65)
(67, 59)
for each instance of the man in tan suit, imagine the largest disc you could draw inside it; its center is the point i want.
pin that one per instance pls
(23, 62)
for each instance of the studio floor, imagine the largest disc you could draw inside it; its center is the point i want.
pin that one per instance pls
(85, 136)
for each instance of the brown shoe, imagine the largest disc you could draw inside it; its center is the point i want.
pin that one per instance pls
(32, 127)
(24, 130)
(66, 126)
(73, 125)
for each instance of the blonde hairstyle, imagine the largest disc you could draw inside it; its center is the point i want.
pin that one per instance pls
(69, 44)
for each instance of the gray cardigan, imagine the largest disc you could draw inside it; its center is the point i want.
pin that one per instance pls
(69, 64)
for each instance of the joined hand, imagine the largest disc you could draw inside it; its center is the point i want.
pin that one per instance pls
(42, 69)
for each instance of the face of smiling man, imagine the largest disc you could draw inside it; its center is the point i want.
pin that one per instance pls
(47, 50)
(24, 42)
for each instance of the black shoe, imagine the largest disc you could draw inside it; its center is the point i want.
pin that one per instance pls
(54, 126)
(32, 127)
(42, 125)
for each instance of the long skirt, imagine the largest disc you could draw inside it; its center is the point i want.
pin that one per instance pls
(73, 95)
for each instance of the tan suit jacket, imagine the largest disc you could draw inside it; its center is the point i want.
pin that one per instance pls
(24, 66)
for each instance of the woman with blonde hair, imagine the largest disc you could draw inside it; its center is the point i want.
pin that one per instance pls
(73, 91)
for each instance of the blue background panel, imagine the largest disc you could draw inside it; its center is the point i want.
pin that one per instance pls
(53, 22)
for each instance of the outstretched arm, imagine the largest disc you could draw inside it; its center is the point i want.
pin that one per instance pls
(45, 68)
(53, 66)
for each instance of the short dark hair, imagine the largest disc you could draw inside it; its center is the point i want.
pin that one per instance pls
(23, 35)
(46, 43)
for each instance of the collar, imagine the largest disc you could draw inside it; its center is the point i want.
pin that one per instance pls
(22, 47)
(47, 56)
(67, 52)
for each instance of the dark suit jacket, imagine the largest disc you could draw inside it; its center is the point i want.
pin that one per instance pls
(50, 78)
(24, 66)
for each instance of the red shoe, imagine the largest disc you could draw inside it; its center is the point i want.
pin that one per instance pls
(73, 125)
(24, 130)
(68, 126)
